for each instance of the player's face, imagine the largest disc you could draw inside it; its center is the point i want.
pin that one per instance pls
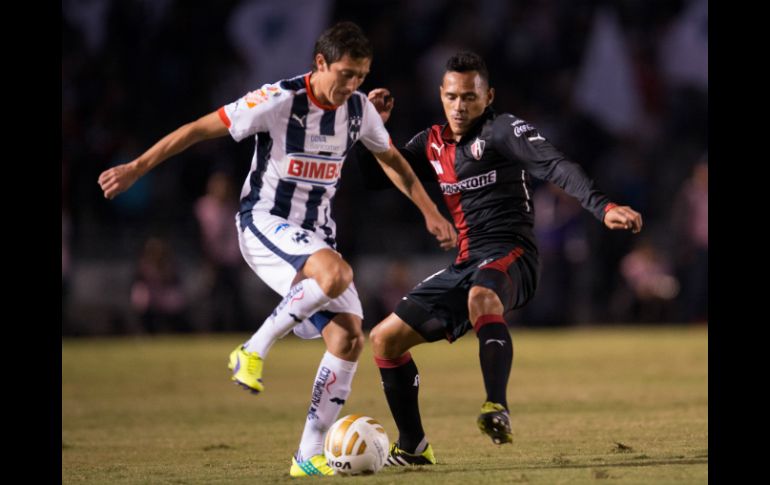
(339, 80)
(464, 95)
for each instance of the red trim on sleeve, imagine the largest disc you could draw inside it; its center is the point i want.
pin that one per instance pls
(609, 207)
(393, 363)
(486, 320)
(223, 117)
(327, 107)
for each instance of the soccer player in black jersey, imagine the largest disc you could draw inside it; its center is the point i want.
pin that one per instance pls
(483, 162)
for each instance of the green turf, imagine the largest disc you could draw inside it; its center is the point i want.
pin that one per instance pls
(626, 405)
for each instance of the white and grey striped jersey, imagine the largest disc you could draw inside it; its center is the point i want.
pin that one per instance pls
(301, 145)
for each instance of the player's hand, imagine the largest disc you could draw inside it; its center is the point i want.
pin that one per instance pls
(118, 179)
(623, 217)
(383, 101)
(443, 230)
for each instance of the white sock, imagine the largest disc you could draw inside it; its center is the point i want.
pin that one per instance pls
(303, 299)
(330, 390)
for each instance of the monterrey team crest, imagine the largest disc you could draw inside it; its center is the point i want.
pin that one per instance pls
(477, 149)
(354, 124)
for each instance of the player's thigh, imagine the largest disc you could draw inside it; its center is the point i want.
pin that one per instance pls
(277, 250)
(437, 307)
(512, 277)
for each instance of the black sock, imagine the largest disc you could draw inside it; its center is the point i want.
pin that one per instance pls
(401, 385)
(496, 358)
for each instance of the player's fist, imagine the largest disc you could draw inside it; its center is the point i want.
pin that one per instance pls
(118, 179)
(623, 217)
(383, 101)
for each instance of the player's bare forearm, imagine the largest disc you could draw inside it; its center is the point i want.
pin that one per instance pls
(401, 174)
(120, 178)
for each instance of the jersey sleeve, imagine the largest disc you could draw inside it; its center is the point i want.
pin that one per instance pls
(414, 153)
(373, 133)
(253, 112)
(518, 140)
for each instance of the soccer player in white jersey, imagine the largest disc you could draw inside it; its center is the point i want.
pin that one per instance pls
(303, 128)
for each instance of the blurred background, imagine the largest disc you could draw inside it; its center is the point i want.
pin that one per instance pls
(619, 87)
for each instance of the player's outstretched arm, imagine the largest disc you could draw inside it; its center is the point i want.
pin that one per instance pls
(623, 217)
(398, 170)
(118, 179)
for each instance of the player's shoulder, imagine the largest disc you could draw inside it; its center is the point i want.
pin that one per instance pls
(361, 96)
(267, 97)
(507, 125)
(421, 138)
(293, 84)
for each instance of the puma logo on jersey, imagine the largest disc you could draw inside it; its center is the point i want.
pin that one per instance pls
(437, 148)
(300, 119)
(492, 340)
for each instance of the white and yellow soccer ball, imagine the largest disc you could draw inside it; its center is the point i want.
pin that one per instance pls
(355, 445)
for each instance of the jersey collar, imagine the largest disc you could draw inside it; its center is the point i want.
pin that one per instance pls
(327, 107)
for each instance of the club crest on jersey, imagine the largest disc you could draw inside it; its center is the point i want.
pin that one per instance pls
(301, 237)
(354, 127)
(477, 148)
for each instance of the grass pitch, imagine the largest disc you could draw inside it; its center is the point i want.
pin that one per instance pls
(628, 405)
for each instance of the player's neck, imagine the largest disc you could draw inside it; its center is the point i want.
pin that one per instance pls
(316, 90)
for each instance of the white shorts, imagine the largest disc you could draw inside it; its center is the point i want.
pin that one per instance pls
(276, 250)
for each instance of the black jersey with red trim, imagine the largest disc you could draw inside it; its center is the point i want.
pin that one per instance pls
(485, 178)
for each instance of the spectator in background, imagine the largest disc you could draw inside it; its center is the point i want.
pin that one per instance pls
(559, 232)
(691, 228)
(214, 212)
(157, 294)
(396, 282)
(650, 285)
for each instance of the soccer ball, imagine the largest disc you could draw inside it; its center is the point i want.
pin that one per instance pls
(355, 445)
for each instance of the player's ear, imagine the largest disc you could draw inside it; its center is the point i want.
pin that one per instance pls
(320, 62)
(490, 96)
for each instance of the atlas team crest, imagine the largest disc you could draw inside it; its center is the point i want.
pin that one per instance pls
(477, 148)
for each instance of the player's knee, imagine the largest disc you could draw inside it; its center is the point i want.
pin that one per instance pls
(336, 279)
(482, 300)
(383, 345)
(348, 345)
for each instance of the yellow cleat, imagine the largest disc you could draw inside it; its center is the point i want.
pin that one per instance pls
(399, 457)
(495, 422)
(313, 466)
(247, 369)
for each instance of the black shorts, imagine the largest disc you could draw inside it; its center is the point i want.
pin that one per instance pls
(437, 308)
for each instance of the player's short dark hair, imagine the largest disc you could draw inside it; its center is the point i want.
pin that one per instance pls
(465, 61)
(340, 39)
